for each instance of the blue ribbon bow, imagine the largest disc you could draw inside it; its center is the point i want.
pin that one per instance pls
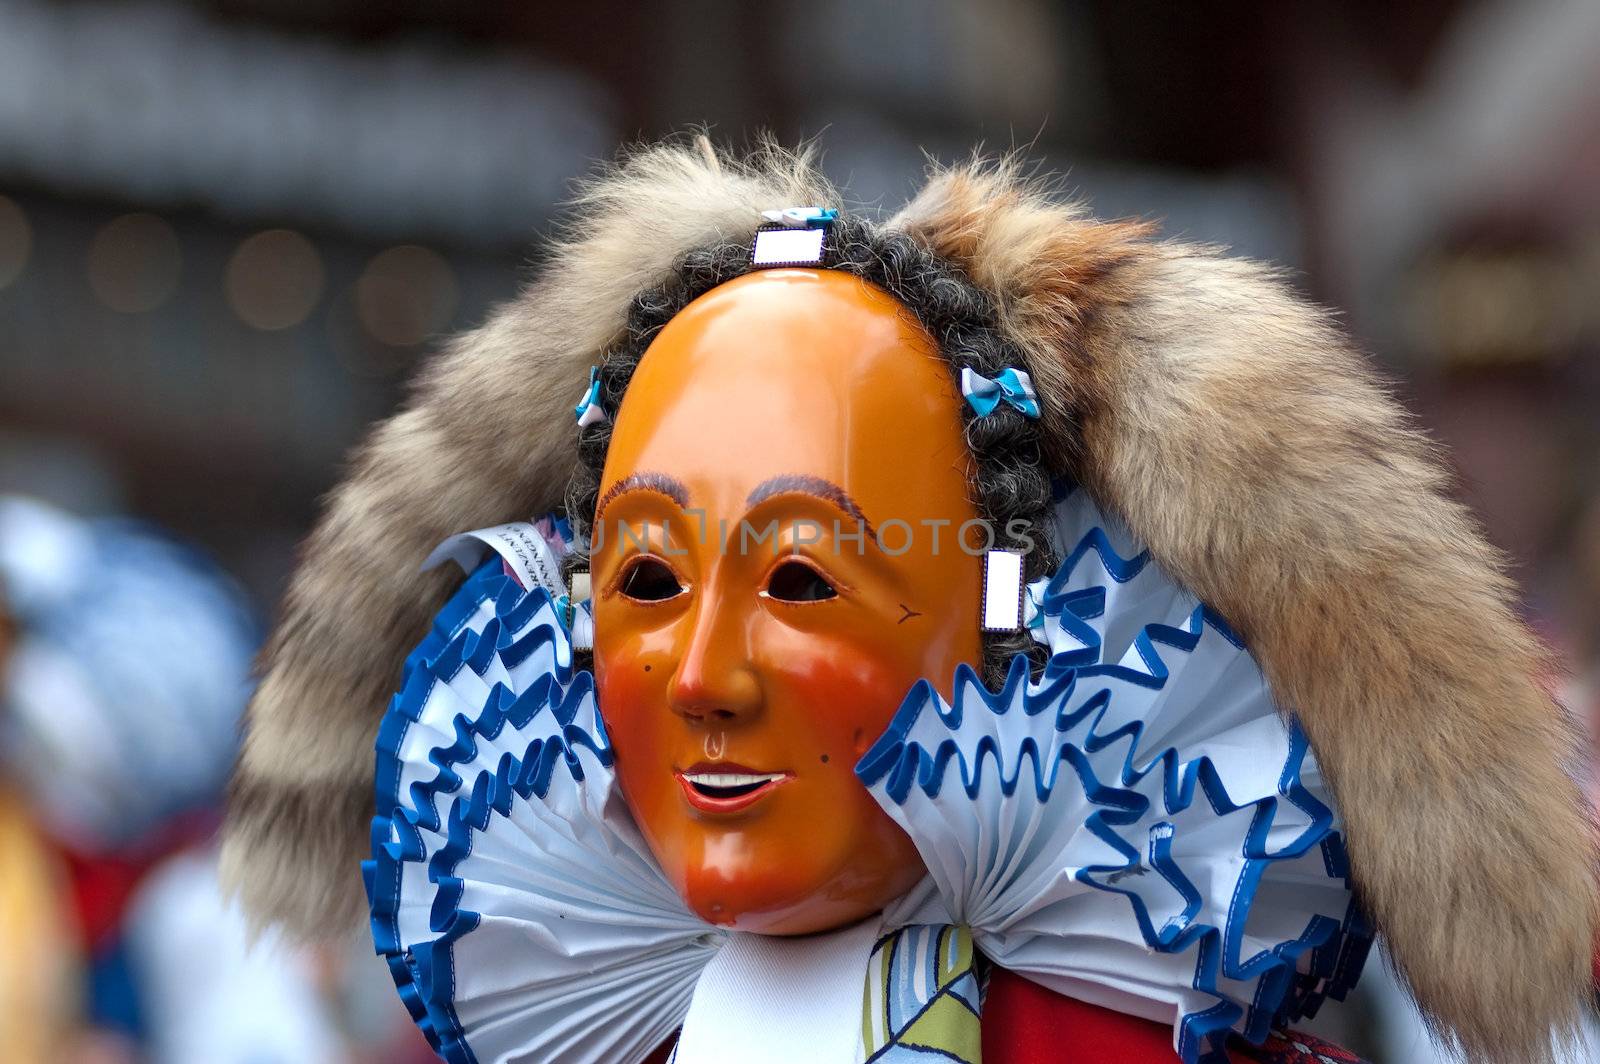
(589, 411)
(1013, 386)
(803, 217)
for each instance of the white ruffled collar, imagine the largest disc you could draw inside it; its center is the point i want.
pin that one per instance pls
(1138, 828)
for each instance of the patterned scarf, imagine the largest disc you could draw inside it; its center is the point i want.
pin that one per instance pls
(922, 997)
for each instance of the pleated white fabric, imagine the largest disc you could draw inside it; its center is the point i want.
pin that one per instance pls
(1138, 827)
(780, 1000)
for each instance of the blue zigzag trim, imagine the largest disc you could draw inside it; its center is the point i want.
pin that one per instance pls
(424, 974)
(1337, 947)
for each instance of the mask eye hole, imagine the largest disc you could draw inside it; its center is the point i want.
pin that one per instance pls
(650, 580)
(798, 582)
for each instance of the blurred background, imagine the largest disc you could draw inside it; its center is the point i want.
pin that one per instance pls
(229, 230)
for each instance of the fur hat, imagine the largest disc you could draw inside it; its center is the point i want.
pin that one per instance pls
(1227, 423)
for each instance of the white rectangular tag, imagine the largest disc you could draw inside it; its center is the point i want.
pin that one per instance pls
(1002, 591)
(519, 544)
(788, 247)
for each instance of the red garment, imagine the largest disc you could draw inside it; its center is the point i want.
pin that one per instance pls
(1023, 1023)
(103, 882)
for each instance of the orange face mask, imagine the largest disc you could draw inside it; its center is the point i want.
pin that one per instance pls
(776, 564)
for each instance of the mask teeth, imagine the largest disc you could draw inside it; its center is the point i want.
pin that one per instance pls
(730, 779)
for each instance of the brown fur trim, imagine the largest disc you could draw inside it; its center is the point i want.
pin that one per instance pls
(290, 824)
(1223, 419)
(1053, 270)
(1267, 469)
(488, 437)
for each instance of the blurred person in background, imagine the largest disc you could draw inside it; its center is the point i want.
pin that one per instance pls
(125, 661)
(36, 997)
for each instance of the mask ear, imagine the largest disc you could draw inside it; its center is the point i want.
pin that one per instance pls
(487, 437)
(1268, 469)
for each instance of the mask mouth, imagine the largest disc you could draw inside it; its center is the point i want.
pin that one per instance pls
(730, 784)
(727, 789)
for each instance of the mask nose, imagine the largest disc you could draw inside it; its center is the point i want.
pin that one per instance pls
(715, 682)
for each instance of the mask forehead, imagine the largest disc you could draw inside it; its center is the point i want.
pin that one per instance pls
(798, 372)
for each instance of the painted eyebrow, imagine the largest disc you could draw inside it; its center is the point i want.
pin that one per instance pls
(661, 483)
(802, 484)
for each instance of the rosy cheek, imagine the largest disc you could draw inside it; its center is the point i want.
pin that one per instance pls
(849, 695)
(632, 699)
(632, 667)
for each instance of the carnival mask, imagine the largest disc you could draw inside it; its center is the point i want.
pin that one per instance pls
(776, 563)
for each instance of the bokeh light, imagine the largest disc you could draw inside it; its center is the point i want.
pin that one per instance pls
(134, 262)
(274, 279)
(406, 295)
(16, 241)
